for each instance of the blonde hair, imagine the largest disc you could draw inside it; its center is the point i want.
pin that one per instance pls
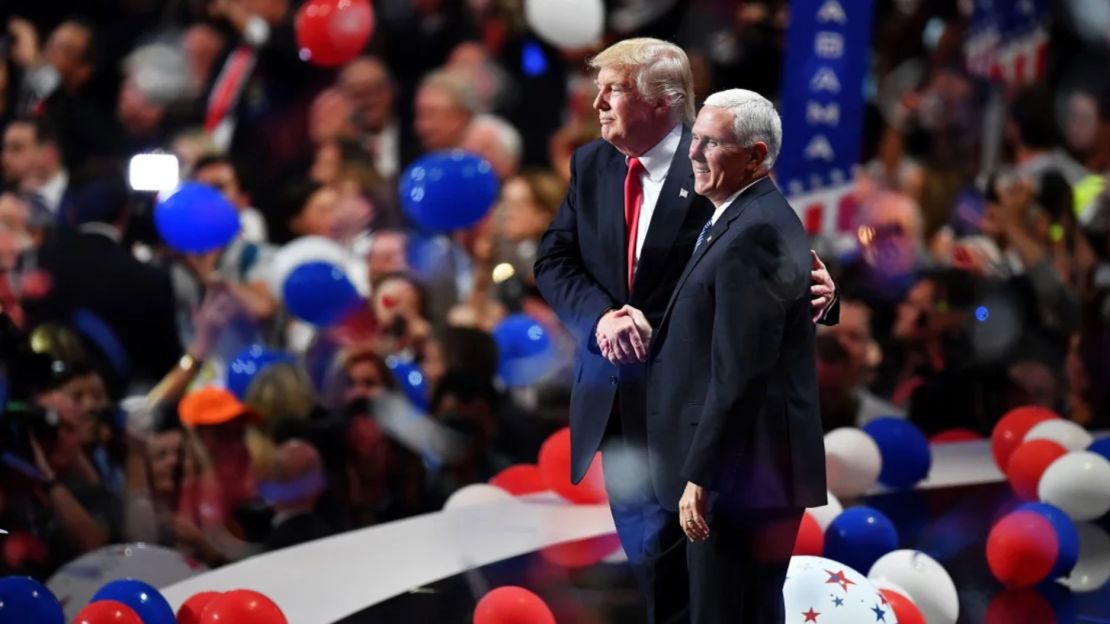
(660, 70)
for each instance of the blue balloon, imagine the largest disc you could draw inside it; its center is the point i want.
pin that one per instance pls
(525, 350)
(196, 219)
(320, 293)
(143, 599)
(904, 449)
(448, 191)
(247, 364)
(1067, 537)
(411, 380)
(1102, 447)
(859, 536)
(23, 599)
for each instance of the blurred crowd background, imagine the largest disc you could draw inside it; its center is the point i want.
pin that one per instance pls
(974, 278)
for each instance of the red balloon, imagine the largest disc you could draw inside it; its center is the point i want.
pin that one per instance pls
(1011, 429)
(1021, 606)
(107, 612)
(520, 479)
(811, 539)
(554, 464)
(581, 553)
(193, 608)
(1021, 549)
(332, 32)
(242, 606)
(1028, 463)
(905, 611)
(512, 605)
(955, 434)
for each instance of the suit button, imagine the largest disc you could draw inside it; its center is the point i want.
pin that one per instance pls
(613, 379)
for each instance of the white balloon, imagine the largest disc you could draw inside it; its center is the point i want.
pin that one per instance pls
(75, 583)
(1078, 483)
(476, 494)
(566, 23)
(829, 592)
(924, 580)
(1093, 568)
(1064, 432)
(852, 462)
(825, 514)
(302, 250)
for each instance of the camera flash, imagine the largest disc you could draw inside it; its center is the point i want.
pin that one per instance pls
(154, 172)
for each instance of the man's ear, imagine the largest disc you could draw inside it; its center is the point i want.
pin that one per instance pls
(759, 155)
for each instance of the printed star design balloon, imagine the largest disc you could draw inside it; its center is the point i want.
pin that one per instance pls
(823, 591)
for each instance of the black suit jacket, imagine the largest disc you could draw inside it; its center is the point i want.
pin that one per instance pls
(91, 271)
(733, 383)
(581, 270)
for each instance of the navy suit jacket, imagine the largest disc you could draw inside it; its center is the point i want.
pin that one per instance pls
(581, 270)
(732, 383)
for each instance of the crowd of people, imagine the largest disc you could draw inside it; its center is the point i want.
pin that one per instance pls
(966, 290)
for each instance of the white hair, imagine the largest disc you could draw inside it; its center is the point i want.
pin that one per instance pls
(754, 120)
(507, 136)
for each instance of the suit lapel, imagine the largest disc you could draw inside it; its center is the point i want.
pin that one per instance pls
(611, 224)
(716, 233)
(671, 210)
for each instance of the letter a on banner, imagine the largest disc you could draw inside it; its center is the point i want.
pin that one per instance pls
(831, 11)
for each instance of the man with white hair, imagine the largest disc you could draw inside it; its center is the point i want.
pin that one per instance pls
(496, 140)
(607, 266)
(734, 425)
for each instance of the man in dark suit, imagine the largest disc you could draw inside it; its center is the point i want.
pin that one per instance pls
(125, 307)
(609, 273)
(734, 428)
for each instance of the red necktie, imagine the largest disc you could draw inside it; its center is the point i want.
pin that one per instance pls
(633, 200)
(229, 86)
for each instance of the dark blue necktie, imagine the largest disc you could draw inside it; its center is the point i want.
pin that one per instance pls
(704, 234)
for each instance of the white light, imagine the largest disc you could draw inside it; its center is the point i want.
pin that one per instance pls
(154, 172)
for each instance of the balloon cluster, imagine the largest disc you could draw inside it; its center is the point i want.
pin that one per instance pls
(242, 606)
(130, 601)
(1033, 543)
(888, 450)
(856, 537)
(1053, 460)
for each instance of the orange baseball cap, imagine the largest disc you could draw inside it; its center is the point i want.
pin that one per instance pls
(211, 406)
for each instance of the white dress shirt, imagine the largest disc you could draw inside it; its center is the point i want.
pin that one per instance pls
(656, 162)
(53, 190)
(723, 206)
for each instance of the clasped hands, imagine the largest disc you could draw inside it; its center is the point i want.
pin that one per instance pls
(624, 336)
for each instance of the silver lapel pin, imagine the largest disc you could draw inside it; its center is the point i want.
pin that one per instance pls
(683, 192)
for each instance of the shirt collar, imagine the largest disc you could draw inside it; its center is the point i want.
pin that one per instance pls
(53, 189)
(657, 160)
(721, 207)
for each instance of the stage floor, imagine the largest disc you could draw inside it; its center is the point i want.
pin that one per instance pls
(949, 523)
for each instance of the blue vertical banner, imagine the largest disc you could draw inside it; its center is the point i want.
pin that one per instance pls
(822, 104)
